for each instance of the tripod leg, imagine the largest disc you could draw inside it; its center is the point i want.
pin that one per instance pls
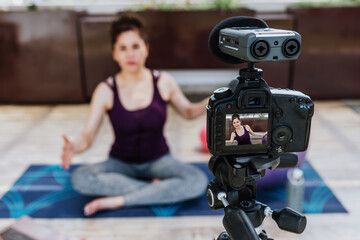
(225, 236)
(238, 225)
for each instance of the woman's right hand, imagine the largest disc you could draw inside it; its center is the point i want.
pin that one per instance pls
(67, 153)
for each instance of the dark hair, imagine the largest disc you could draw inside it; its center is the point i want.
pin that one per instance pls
(127, 23)
(234, 117)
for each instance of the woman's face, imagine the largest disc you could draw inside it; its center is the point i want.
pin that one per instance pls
(130, 51)
(236, 123)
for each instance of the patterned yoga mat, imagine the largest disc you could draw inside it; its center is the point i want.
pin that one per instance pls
(45, 191)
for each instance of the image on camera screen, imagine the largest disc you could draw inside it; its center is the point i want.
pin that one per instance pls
(246, 129)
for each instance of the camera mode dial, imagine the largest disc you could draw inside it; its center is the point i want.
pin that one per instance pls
(222, 92)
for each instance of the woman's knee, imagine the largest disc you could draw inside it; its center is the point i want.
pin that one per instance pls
(196, 181)
(201, 182)
(82, 178)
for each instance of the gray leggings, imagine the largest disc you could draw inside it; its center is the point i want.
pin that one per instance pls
(179, 181)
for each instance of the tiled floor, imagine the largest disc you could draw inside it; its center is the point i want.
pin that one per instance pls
(32, 134)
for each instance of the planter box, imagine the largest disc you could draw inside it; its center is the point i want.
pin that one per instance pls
(329, 63)
(39, 59)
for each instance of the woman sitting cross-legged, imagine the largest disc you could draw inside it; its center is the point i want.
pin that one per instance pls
(139, 170)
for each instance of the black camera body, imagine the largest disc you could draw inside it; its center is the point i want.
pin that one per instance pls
(284, 114)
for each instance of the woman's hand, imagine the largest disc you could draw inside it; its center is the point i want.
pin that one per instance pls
(67, 153)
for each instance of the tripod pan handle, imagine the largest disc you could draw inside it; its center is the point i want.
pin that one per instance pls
(288, 160)
(289, 220)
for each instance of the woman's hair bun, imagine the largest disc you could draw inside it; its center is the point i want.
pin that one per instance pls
(128, 22)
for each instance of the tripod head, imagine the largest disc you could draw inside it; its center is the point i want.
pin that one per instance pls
(234, 188)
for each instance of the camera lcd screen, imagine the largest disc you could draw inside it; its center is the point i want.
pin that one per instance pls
(246, 129)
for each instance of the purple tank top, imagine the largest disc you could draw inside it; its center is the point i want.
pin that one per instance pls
(243, 139)
(139, 134)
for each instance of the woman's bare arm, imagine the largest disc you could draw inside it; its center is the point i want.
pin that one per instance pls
(99, 104)
(232, 137)
(176, 97)
(254, 133)
(98, 107)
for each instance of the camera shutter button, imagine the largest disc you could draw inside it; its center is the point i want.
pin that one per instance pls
(222, 92)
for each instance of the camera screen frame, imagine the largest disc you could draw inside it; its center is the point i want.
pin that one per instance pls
(218, 131)
(238, 103)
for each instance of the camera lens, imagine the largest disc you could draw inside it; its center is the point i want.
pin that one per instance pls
(291, 47)
(259, 49)
(281, 135)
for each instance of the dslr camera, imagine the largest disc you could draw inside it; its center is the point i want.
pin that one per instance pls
(283, 116)
(252, 127)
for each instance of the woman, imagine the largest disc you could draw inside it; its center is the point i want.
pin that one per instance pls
(140, 170)
(242, 132)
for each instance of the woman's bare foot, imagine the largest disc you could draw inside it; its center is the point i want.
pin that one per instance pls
(103, 204)
(156, 180)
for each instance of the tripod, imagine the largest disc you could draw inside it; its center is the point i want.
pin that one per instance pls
(234, 189)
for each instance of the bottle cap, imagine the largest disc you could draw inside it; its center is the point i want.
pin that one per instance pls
(296, 174)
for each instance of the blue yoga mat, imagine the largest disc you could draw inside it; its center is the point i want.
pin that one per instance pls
(45, 191)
